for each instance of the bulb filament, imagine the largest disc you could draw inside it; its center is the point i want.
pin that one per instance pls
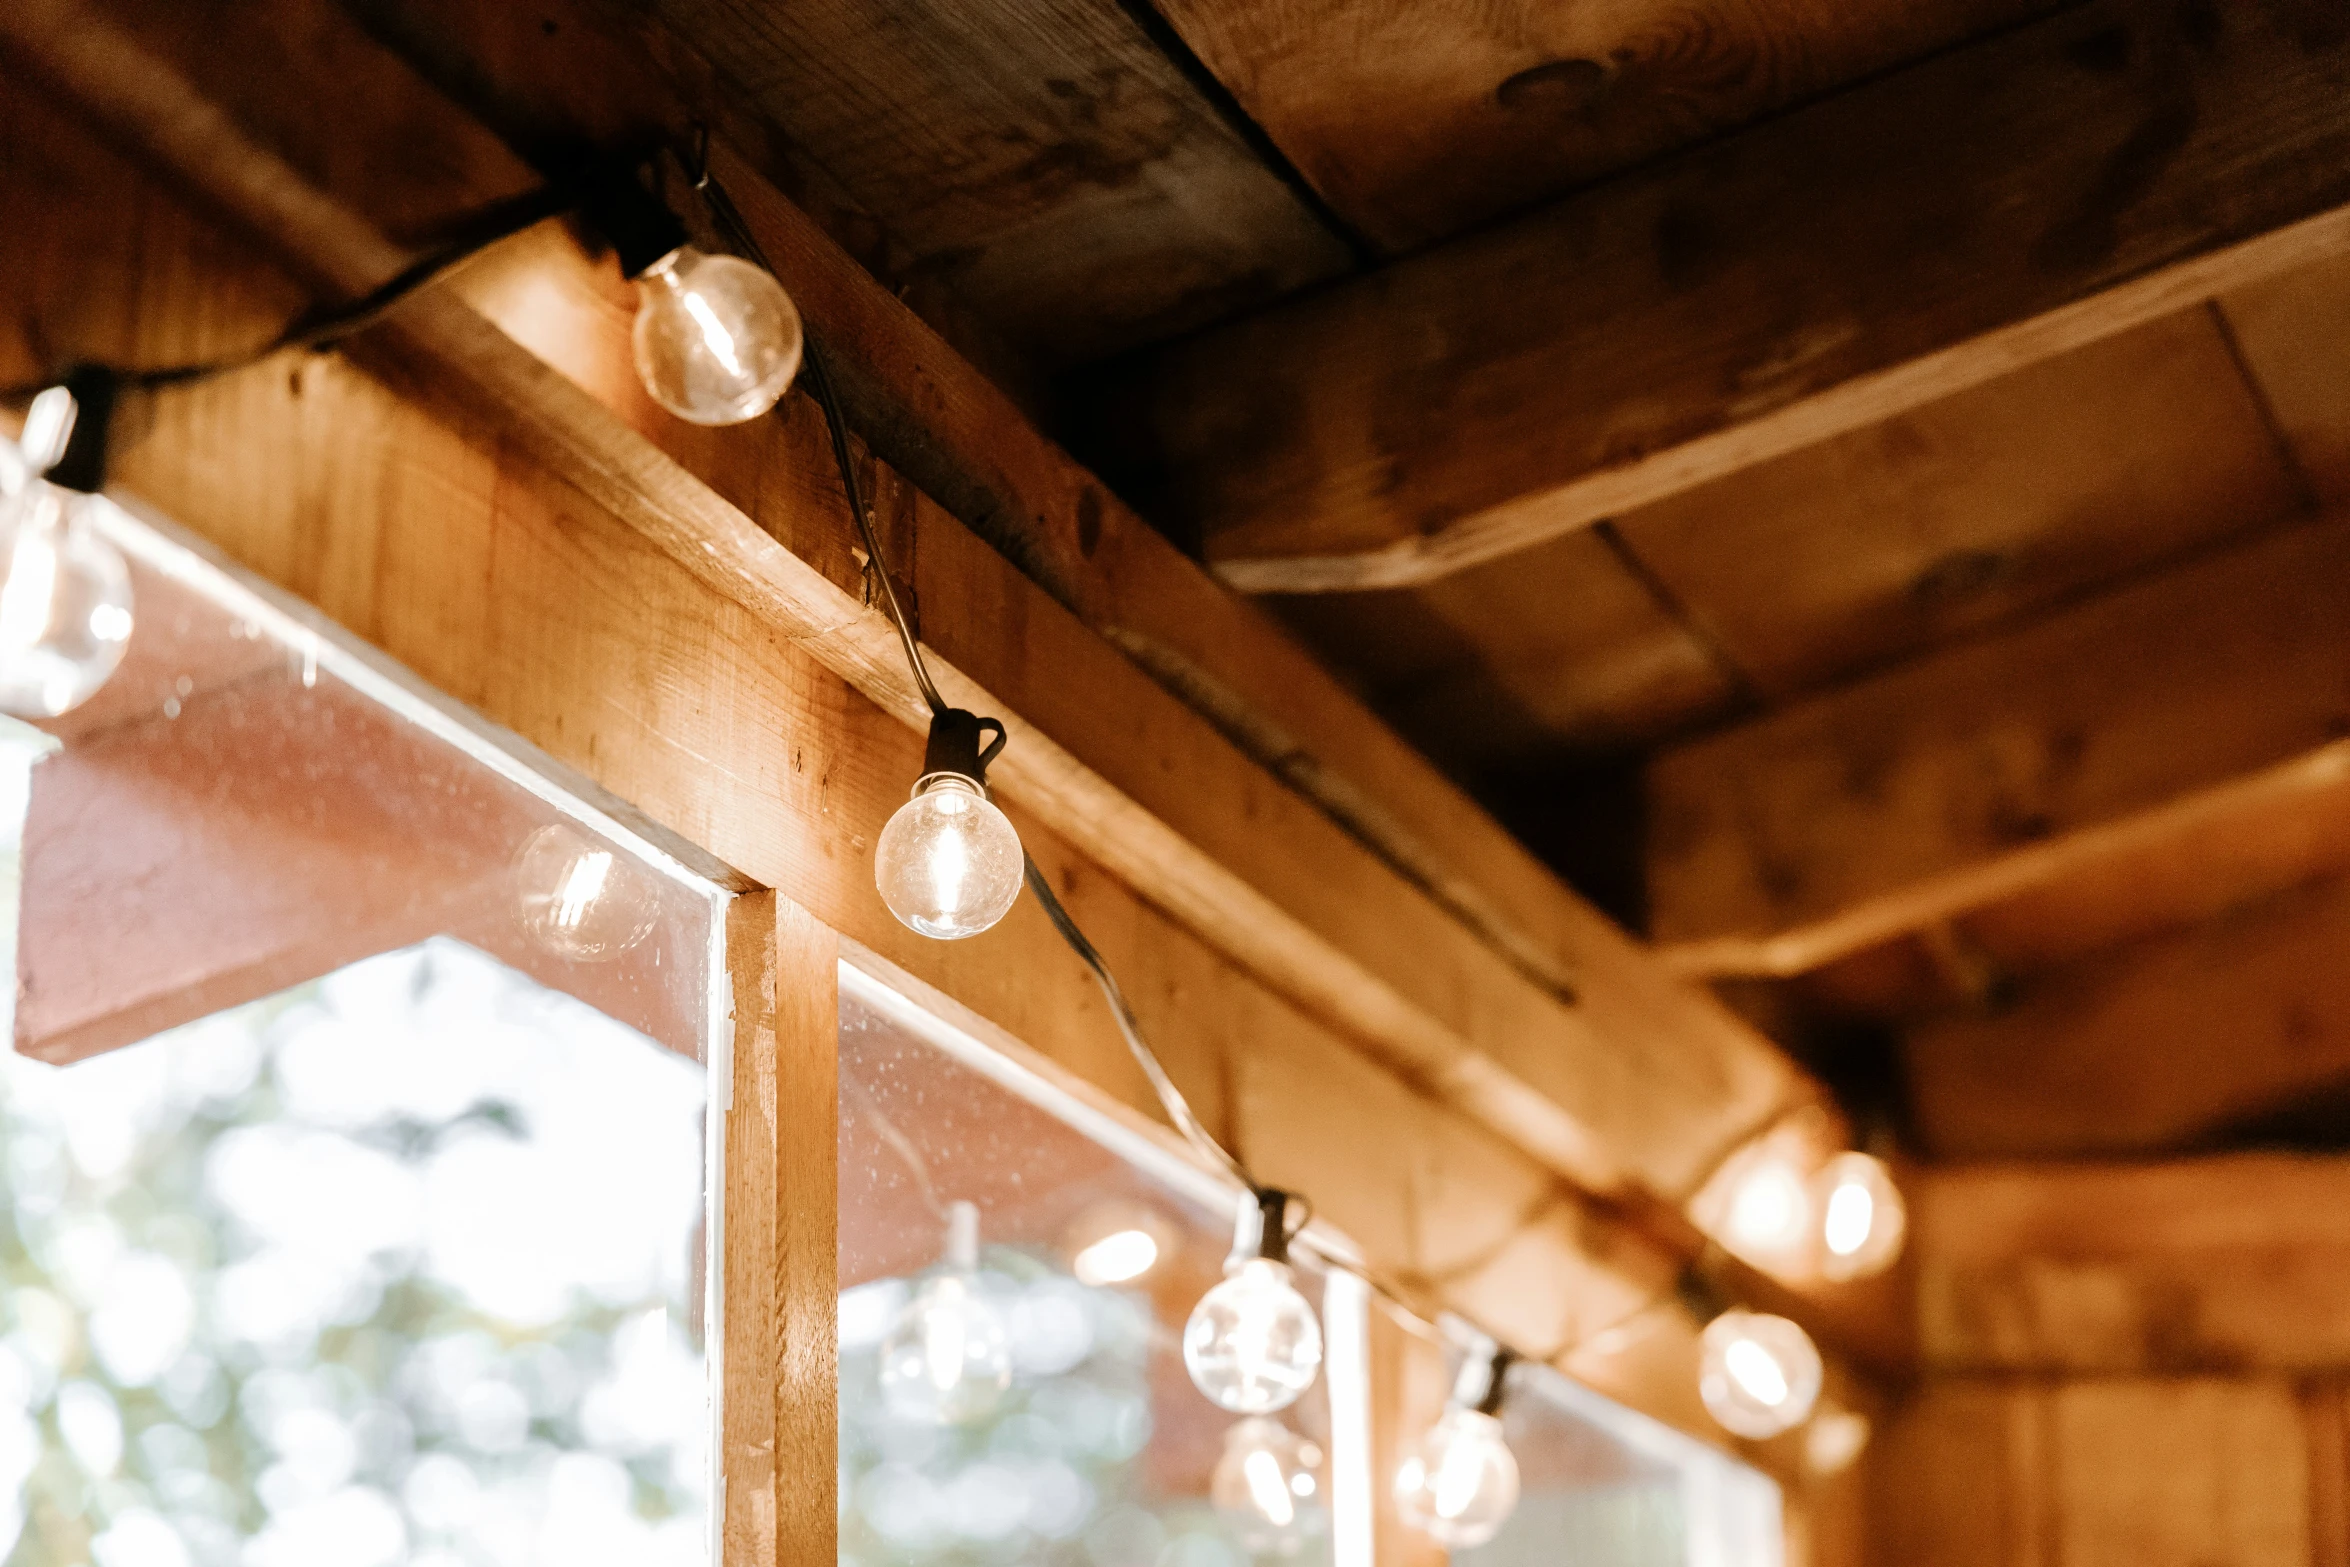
(714, 334)
(28, 598)
(1752, 1368)
(1852, 1212)
(581, 885)
(942, 1337)
(1267, 1489)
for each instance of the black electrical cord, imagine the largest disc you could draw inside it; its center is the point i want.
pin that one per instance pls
(322, 327)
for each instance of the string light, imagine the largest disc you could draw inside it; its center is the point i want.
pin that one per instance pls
(1267, 1484)
(948, 863)
(717, 339)
(1835, 1438)
(1863, 1220)
(1461, 1485)
(65, 592)
(1253, 1344)
(1760, 1374)
(947, 1360)
(1770, 1217)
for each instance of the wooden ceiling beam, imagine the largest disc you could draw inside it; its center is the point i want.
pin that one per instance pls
(1813, 274)
(2225, 1264)
(2242, 1022)
(1623, 1096)
(2208, 697)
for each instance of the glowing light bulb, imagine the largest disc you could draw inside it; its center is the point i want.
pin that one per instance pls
(65, 601)
(1761, 1374)
(1862, 1217)
(1834, 1440)
(1253, 1344)
(1769, 1221)
(1117, 1258)
(949, 863)
(1462, 1484)
(579, 899)
(1268, 1487)
(717, 339)
(947, 1360)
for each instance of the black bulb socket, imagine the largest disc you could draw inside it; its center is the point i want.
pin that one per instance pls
(1496, 1380)
(618, 207)
(82, 467)
(955, 745)
(1700, 1293)
(1272, 1239)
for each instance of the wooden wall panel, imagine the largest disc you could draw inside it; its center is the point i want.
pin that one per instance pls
(2187, 1265)
(2179, 1474)
(2204, 1473)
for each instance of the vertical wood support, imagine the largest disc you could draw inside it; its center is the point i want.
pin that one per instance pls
(782, 1238)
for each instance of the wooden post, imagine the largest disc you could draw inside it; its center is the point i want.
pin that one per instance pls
(781, 1375)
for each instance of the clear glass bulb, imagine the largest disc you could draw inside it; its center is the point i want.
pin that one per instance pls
(1760, 1375)
(1267, 1486)
(65, 601)
(1834, 1440)
(1862, 1217)
(578, 898)
(1462, 1484)
(949, 863)
(717, 339)
(1770, 1216)
(947, 1360)
(1253, 1344)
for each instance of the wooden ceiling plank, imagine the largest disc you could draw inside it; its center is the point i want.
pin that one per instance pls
(2161, 1046)
(1034, 659)
(1987, 770)
(2293, 331)
(1690, 319)
(1416, 120)
(1558, 653)
(1044, 158)
(1991, 505)
(2222, 1264)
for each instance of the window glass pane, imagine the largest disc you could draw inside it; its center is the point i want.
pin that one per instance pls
(1098, 1452)
(354, 1139)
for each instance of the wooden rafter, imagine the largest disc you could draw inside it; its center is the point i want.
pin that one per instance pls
(1786, 283)
(2210, 696)
(2241, 1022)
